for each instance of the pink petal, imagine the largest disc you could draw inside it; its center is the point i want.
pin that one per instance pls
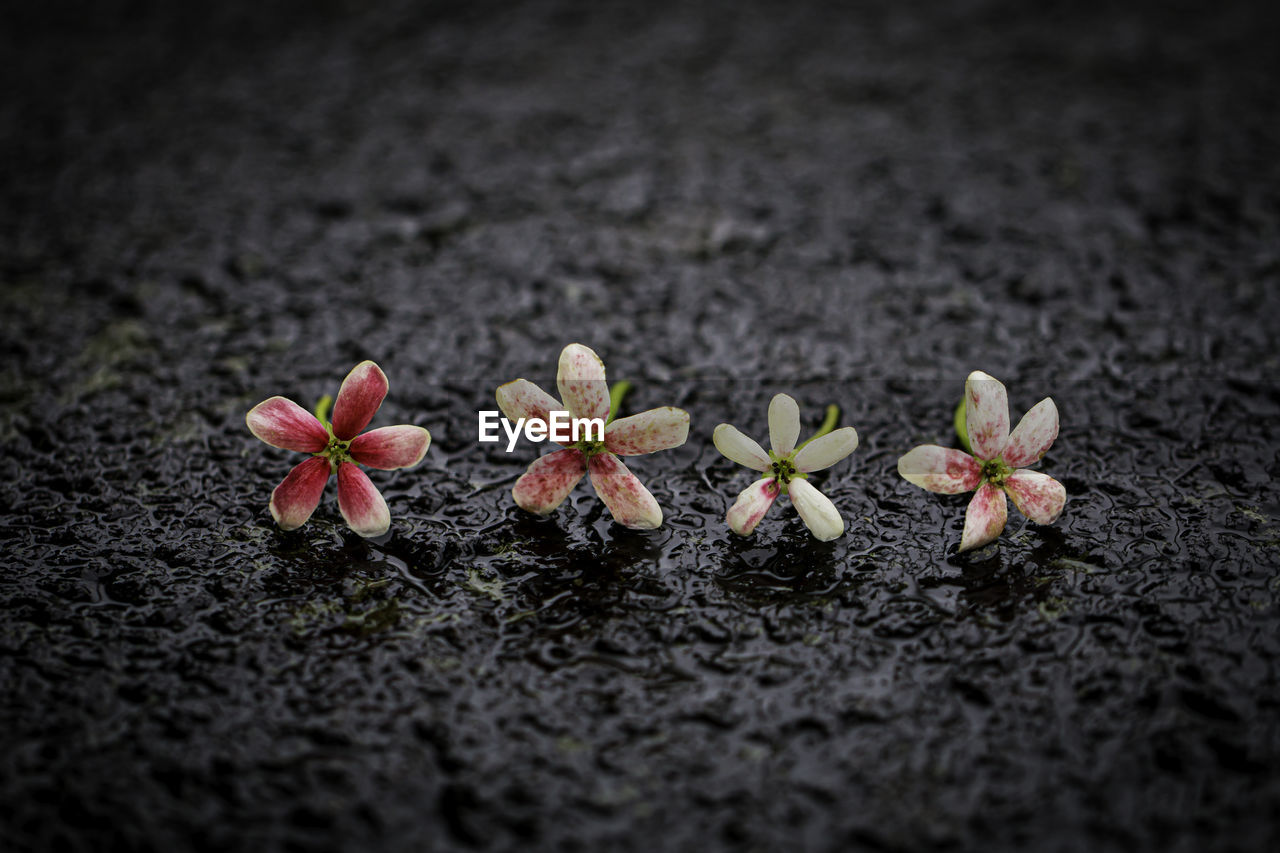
(1037, 496)
(360, 502)
(940, 469)
(581, 382)
(283, 423)
(752, 504)
(549, 480)
(1033, 435)
(985, 517)
(627, 498)
(298, 495)
(648, 432)
(391, 447)
(359, 397)
(986, 411)
(523, 399)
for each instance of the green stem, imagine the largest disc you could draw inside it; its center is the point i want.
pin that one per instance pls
(828, 423)
(322, 409)
(616, 393)
(962, 429)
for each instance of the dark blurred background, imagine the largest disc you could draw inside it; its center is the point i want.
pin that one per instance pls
(205, 205)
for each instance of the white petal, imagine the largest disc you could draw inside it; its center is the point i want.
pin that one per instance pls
(1033, 435)
(581, 382)
(627, 498)
(752, 504)
(548, 481)
(1037, 496)
(986, 412)
(816, 509)
(940, 469)
(985, 517)
(731, 442)
(522, 399)
(648, 432)
(784, 425)
(828, 450)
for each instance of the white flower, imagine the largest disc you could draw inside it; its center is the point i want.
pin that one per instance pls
(786, 469)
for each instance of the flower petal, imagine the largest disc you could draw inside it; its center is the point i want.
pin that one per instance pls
(627, 498)
(280, 422)
(784, 424)
(391, 447)
(1033, 435)
(816, 509)
(1037, 496)
(548, 481)
(731, 442)
(985, 517)
(360, 502)
(986, 412)
(940, 469)
(648, 432)
(752, 504)
(828, 450)
(298, 495)
(359, 397)
(523, 399)
(581, 382)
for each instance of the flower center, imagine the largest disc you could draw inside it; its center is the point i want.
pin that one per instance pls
(994, 471)
(784, 470)
(589, 448)
(336, 451)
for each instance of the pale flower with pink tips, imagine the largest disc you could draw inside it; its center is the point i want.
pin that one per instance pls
(584, 394)
(996, 466)
(786, 469)
(338, 448)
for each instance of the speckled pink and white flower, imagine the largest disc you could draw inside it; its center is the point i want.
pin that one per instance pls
(584, 394)
(995, 467)
(338, 448)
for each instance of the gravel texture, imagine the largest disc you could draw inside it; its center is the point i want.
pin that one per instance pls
(204, 207)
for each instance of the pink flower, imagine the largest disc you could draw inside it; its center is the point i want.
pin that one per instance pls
(786, 470)
(995, 467)
(584, 394)
(336, 448)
